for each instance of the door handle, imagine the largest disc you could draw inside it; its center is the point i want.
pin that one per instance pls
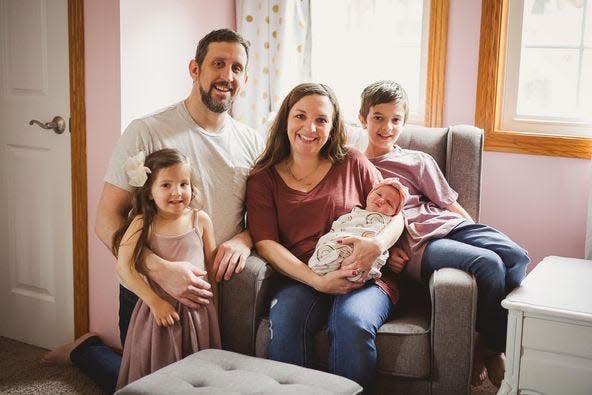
(57, 124)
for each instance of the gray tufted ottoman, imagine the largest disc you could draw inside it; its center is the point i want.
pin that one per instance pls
(225, 372)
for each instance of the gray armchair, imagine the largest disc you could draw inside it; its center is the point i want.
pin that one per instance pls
(427, 347)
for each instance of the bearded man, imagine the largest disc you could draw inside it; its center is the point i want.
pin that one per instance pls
(222, 152)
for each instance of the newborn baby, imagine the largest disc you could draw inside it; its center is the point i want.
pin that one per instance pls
(384, 201)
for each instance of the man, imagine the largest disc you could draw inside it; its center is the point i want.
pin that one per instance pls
(222, 152)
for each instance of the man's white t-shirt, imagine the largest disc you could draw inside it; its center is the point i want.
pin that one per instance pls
(220, 161)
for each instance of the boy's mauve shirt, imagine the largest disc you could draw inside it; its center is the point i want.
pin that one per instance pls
(425, 213)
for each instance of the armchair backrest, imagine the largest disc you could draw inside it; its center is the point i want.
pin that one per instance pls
(458, 150)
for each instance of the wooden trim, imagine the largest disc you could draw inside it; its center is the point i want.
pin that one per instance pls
(78, 158)
(489, 90)
(436, 72)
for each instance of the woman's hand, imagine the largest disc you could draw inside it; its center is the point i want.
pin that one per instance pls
(365, 250)
(397, 259)
(164, 313)
(336, 282)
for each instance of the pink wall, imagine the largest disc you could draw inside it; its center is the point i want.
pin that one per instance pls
(101, 35)
(539, 201)
(103, 117)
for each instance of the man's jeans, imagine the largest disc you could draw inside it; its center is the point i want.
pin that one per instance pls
(498, 264)
(298, 312)
(95, 358)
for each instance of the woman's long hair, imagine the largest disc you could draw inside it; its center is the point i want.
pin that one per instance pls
(143, 205)
(278, 144)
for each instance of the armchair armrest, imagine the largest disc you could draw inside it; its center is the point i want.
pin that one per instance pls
(243, 299)
(463, 166)
(454, 305)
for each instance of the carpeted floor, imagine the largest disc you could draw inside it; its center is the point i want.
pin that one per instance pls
(486, 389)
(21, 373)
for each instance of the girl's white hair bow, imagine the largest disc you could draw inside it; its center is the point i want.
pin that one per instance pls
(136, 171)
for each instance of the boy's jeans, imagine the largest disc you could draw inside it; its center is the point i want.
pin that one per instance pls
(498, 264)
(298, 312)
(95, 358)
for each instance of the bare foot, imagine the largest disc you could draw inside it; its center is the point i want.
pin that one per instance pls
(61, 355)
(479, 373)
(496, 367)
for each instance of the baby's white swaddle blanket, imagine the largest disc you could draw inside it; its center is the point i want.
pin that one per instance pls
(329, 254)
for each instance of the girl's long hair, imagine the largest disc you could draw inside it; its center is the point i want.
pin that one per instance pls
(277, 147)
(143, 205)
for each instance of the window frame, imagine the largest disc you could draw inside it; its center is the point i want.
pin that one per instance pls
(435, 73)
(436, 67)
(488, 111)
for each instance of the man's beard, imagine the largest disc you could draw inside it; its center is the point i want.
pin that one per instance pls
(208, 100)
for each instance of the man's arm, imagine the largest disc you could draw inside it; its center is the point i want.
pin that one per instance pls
(182, 280)
(114, 206)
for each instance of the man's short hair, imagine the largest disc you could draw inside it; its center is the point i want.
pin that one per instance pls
(217, 36)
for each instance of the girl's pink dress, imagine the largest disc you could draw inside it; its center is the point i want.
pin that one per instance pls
(149, 347)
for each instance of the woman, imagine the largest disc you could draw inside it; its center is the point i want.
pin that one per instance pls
(303, 181)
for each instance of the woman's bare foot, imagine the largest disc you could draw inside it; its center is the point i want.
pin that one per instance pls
(61, 355)
(479, 373)
(495, 362)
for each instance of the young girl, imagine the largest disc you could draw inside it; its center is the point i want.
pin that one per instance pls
(162, 330)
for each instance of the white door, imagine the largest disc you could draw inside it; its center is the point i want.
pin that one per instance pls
(36, 291)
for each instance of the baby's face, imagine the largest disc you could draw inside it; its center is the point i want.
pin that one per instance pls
(384, 199)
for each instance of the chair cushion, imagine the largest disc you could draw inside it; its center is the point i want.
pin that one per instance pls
(224, 372)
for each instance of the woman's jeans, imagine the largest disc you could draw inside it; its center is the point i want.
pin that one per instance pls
(95, 358)
(298, 312)
(498, 264)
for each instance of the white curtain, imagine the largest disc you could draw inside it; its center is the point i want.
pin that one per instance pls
(279, 57)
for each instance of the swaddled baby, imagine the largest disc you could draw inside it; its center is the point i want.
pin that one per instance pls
(384, 201)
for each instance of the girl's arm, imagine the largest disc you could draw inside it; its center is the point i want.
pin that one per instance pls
(285, 262)
(455, 207)
(163, 311)
(209, 246)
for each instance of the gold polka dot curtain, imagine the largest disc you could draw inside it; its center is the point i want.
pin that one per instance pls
(279, 57)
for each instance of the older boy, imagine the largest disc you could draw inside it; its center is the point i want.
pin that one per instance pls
(438, 231)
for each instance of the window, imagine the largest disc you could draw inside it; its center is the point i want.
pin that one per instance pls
(346, 44)
(381, 39)
(535, 77)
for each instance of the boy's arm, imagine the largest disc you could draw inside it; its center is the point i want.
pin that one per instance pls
(181, 279)
(397, 259)
(163, 312)
(209, 246)
(455, 207)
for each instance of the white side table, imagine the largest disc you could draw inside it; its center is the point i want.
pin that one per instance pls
(549, 343)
